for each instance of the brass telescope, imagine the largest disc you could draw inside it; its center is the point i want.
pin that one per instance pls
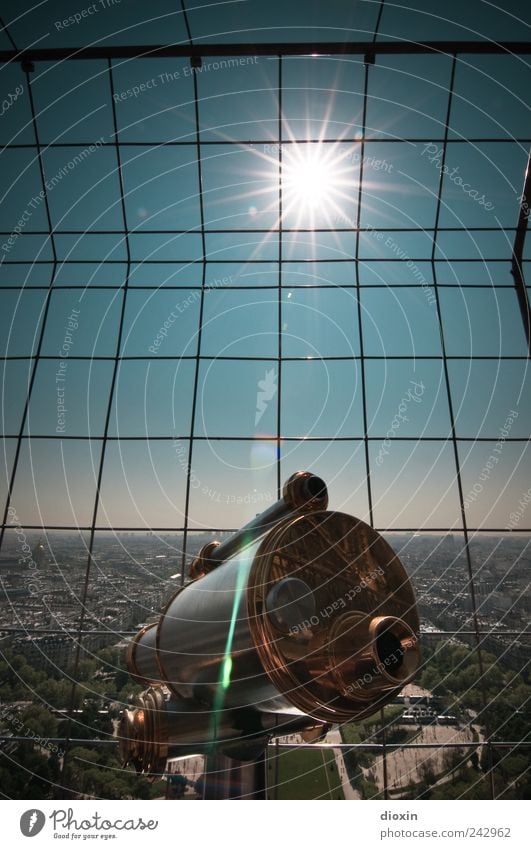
(302, 619)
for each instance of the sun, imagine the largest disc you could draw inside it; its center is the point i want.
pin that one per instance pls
(316, 182)
(309, 181)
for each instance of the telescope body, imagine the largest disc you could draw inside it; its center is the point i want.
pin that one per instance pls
(303, 619)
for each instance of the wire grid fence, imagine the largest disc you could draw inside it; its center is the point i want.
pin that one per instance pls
(461, 566)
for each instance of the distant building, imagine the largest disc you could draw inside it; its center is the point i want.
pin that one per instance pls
(51, 651)
(39, 555)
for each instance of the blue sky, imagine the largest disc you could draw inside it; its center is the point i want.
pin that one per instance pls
(340, 327)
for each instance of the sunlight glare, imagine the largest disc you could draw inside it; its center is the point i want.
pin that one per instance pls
(317, 184)
(309, 181)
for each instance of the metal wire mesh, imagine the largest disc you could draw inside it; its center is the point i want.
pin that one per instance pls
(391, 291)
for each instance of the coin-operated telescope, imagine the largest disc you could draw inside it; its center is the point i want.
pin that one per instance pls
(302, 619)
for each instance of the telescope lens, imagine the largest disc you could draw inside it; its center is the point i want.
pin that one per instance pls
(290, 605)
(316, 487)
(390, 651)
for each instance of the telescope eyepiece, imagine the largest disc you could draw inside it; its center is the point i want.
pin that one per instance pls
(390, 651)
(315, 487)
(306, 490)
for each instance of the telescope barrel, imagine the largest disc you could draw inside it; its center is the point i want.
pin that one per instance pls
(302, 492)
(305, 614)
